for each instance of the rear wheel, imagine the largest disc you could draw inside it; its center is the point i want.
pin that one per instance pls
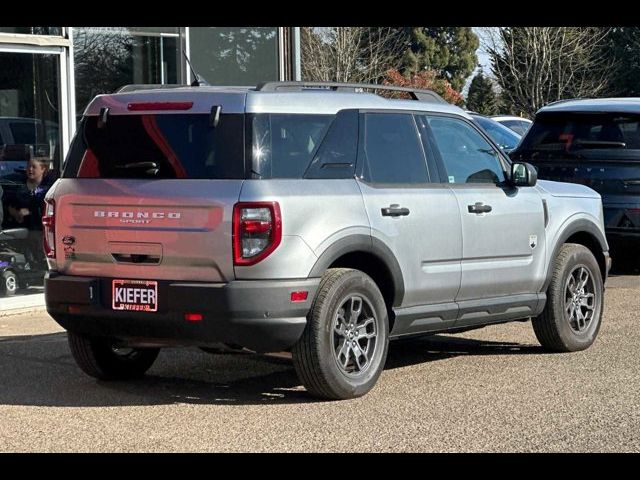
(573, 313)
(8, 283)
(344, 346)
(103, 359)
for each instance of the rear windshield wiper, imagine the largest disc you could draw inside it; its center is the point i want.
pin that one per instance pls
(598, 144)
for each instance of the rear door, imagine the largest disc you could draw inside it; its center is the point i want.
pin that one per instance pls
(419, 221)
(150, 196)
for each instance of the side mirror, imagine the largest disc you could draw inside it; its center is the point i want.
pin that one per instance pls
(523, 175)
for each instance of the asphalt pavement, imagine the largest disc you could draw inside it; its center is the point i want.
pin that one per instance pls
(488, 390)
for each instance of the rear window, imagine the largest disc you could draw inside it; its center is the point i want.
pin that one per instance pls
(158, 146)
(585, 135)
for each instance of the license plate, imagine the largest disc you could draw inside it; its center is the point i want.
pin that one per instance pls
(135, 295)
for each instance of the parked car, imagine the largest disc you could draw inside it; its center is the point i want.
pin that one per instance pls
(505, 138)
(595, 142)
(520, 125)
(21, 138)
(312, 217)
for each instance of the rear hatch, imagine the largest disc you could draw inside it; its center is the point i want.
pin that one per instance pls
(599, 150)
(148, 189)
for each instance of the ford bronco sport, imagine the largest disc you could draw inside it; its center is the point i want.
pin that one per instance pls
(320, 218)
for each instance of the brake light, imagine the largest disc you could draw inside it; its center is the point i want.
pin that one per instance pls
(139, 106)
(49, 228)
(257, 231)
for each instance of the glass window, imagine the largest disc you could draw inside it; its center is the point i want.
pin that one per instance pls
(466, 155)
(284, 144)
(583, 136)
(504, 137)
(158, 146)
(234, 56)
(106, 58)
(391, 149)
(29, 110)
(33, 30)
(336, 157)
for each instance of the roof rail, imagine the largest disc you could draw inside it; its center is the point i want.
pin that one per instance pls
(416, 94)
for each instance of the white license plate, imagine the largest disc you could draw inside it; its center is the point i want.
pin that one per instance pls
(135, 295)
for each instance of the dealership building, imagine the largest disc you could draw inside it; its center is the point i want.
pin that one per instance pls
(49, 74)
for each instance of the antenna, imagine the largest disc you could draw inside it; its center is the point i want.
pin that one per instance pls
(197, 79)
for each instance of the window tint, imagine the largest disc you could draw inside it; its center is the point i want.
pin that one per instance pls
(159, 146)
(284, 144)
(336, 157)
(27, 132)
(467, 156)
(391, 149)
(561, 134)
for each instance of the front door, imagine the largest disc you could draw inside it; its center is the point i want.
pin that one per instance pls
(503, 227)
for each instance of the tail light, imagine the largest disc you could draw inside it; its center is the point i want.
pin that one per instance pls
(257, 231)
(49, 228)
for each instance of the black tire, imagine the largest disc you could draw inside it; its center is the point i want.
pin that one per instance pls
(8, 283)
(559, 327)
(99, 358)
(317, 354)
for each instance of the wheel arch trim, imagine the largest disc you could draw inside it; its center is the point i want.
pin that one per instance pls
(363, 243)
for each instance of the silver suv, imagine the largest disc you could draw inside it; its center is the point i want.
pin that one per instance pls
(318, 218)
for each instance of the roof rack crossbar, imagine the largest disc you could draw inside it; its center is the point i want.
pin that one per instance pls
(416, 94)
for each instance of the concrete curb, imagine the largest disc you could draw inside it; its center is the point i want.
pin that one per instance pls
(23, 311)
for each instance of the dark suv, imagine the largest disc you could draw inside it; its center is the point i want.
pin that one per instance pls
(595, 142)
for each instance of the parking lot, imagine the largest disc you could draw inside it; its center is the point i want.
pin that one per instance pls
(486, 390)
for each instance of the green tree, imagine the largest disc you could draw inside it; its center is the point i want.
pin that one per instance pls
(623, 44)
(481, 97)
(448, 51)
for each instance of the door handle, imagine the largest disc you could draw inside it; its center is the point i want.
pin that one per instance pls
(479, 207)
(394, 210)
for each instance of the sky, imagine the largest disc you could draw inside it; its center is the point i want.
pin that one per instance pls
(483, 57)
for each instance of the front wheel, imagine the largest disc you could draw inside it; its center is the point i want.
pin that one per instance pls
(102, 359)
(344, 346)
(572, 316)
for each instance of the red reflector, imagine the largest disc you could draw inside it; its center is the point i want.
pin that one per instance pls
(255, 226)
(193, 317)
(74, 308)
(159, 106)
(299, 296)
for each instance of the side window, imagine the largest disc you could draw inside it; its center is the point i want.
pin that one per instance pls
(391, 150)
(283, 144)
(467, 156)
(336, 156)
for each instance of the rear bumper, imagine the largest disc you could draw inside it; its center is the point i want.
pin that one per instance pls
(256, 314)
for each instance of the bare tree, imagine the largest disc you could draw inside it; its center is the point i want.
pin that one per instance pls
(350, 54)
(538, 65)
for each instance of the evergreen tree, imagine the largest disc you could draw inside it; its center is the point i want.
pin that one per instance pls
(449, 51)
(624, 46)
(481, 97)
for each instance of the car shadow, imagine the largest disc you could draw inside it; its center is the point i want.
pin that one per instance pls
(39, 370)
(403, 353)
